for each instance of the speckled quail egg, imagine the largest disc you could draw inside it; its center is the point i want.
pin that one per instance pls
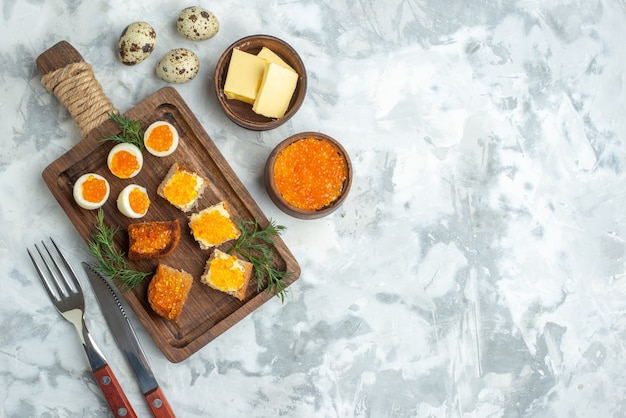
(178, 66)
(133, 201)
(136, 43)
(91, 191)
(197, 23)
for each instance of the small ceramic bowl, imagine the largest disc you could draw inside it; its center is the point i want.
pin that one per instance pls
(241, 113)
(277, 196)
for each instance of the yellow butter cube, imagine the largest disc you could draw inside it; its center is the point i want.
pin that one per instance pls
(245, 73)
(270, 56)
(277, 87)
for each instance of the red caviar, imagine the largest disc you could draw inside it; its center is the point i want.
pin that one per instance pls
(160, 139)
(124, 164)
(94, 189)
(212, 227)
(225, 274)
(310, 173)
(139, 201)
(182, 188)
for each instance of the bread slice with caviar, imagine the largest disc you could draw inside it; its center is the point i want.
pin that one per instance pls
(152, 239)
(214, 225)
(228, 274)
(168, 291)
(182, 187)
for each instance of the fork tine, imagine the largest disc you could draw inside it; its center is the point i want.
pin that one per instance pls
(41, 275)
(61, 284)
(63, 279)
(73, 276)
(51, 278)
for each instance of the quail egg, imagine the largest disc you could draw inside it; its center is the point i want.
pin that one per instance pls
(161, 138)
(197, 23)
(178, 66)
(91, 191)
(133, 201)
(136, 43)
(125, 160)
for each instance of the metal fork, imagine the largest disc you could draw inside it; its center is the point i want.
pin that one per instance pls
(63, 287)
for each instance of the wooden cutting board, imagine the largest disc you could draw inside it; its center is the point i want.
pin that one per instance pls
(207, 312)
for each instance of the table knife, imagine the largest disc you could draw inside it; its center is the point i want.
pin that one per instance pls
(109, 299)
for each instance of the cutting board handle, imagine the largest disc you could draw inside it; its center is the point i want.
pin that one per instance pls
(66, 75)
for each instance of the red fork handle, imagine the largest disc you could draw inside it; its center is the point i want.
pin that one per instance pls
(158, 404)
(117, 400)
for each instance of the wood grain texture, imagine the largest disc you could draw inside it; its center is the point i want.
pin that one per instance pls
(158, 404)
(58, 56)
(113, 393)
(207, 312)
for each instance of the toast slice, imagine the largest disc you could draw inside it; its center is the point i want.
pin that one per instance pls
(152, 239)
(182, 187)
(168, 291)
(214, 225)
(228, 274)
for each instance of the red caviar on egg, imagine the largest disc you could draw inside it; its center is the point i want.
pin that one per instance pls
(133, 201)
(161, 139)
(125, 160)
(91, 191)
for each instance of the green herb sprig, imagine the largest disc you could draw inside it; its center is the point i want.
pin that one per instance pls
(110, 262)
(132, 133)
(255, 244)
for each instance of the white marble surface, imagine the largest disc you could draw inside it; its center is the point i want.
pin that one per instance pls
(477, 268)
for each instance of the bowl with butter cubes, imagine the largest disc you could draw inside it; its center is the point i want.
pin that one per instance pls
(260, 82)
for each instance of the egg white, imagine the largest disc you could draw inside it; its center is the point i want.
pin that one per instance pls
(174, 141)
(130, 148)
(78, 192)
(123, 202)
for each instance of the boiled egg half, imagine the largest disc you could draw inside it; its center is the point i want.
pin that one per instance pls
(125, 160)
(133, 201)
(161, 138)
(91, 191)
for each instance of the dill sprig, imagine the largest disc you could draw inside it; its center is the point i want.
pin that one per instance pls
(255, 245)
(110, 262)
(131, 131)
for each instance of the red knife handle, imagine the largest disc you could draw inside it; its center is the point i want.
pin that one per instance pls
(158, 404)
(120, 406)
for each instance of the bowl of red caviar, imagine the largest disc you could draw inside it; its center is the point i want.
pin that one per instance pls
(308, 175)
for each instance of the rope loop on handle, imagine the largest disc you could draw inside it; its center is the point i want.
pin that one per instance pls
(80, 92)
